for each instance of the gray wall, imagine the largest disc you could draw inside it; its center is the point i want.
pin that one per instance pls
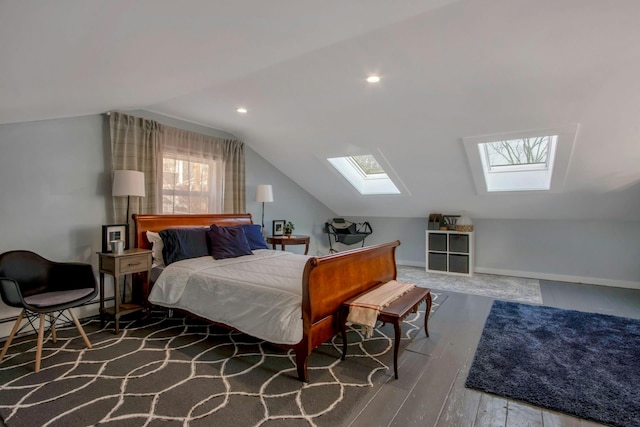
(410, 232)
(595, 252)
(52, 187)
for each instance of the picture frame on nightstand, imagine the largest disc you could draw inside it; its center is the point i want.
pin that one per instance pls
(278, 227)
(112, 232)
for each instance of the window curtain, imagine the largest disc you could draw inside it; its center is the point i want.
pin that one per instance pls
(140, 144)
(136, 144)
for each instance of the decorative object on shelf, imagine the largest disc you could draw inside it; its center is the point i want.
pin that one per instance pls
(115, 233)
(288, 228)
(278, 227)
(464, 223)
(435, 220)
(264, 194)
(450, 221)
(128, 183)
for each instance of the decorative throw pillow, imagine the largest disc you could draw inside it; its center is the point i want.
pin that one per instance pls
(253, 232)
(228, 242)
(183, 243)
(156, 248)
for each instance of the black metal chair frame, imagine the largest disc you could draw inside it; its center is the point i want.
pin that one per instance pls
(347, 232)
(25, 275)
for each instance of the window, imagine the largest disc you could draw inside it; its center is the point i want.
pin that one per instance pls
(189, 185)
(518, 154)
(365, 174)
(521, 161)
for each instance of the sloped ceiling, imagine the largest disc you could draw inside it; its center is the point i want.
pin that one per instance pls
(450, 69)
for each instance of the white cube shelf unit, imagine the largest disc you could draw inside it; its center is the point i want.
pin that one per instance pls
(450, 252)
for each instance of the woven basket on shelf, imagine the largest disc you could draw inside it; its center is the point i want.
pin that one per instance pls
(464, 227)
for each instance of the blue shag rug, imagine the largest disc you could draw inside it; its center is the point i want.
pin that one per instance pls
(582, 364)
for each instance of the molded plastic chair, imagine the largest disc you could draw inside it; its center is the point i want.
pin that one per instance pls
(42, 287)
(346, 232)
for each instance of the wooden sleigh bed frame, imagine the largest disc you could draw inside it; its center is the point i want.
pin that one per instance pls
(327, 280)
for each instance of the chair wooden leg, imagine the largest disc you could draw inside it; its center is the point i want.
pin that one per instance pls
(79, 326)
(40, 339)
(7, 344)
(52, 321)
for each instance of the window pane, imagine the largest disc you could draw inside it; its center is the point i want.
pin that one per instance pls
(187, 185)
(368, 164)
(168, 173)
(525, 151)
(167, 204)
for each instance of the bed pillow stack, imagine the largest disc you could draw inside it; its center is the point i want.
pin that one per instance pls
(175, 244)
(228, 242)
(253, 232)
(183, 243)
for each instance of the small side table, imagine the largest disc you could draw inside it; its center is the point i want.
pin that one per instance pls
(129, 262)
(289, 240)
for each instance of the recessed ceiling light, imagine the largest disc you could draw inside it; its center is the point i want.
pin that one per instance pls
(242, 110)
(373, 79)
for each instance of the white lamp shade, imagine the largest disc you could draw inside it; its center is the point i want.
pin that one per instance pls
(128, 183)
(264, 193)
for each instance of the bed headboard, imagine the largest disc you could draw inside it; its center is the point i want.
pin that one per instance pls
(144, 223)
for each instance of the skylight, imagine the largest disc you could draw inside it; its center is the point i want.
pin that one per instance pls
(518, 154)
(365, 174)
(521, 161)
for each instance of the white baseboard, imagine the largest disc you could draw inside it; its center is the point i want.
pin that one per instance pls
(543, 276)
(411, 263)
(561, 278)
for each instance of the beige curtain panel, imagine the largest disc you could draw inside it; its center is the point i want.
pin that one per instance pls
(185, 172)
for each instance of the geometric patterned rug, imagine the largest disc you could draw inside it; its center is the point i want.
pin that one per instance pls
(182, 371)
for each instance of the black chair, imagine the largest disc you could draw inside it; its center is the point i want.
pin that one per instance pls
(346, 232)
(42, 287)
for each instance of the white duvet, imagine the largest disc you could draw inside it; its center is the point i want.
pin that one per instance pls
(259, 294)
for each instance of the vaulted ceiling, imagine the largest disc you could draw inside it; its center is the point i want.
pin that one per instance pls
(450, 69)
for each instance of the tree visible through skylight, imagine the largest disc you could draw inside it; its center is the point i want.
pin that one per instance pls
(517, 152)
(368, 164)
(528, 160)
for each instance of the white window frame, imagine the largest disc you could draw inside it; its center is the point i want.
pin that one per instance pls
(522, 178)
(213, 196)
(365, 184)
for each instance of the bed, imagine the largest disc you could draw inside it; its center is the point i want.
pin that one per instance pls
(325, 281)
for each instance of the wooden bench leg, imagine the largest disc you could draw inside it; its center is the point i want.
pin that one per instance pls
(427, 313)
(396, 345)
(343, 332)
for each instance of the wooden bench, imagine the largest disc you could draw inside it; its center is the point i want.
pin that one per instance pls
(394, 313)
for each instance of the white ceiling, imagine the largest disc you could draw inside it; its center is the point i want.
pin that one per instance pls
(450, 69)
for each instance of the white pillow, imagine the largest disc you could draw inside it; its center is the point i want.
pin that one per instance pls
(156, 248)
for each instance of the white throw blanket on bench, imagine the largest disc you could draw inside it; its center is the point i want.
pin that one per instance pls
(365, 309)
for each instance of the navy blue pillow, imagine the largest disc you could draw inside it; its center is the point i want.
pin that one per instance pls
(228, 242)
(253, 232)
(183, 243)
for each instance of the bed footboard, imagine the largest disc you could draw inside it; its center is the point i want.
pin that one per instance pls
(330, 280)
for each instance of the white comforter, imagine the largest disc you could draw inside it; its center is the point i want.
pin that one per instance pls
(259, 294)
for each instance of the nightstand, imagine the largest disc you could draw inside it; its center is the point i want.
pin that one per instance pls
(289, 240)
(117, 265)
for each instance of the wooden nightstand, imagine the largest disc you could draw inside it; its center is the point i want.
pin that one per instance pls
(129, 262)
(289, 240)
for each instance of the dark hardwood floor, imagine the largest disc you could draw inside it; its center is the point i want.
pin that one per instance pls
(430, 390)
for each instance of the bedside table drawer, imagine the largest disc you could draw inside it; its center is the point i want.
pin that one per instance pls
(135, 264)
